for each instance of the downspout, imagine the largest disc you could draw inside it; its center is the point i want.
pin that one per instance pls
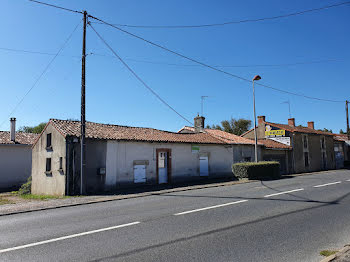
(293, 160)
(67, 169)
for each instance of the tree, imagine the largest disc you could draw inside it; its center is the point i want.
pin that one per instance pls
(326, 130)
(33, 129)
(234, 126)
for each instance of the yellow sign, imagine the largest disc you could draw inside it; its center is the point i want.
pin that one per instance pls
(275, 133)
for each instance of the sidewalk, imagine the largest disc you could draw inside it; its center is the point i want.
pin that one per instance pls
(342, 256)
(36, 205)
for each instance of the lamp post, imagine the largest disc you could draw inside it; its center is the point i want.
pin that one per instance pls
(257, 77)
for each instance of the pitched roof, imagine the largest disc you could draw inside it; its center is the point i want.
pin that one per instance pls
(268, 143)
(117, 132)
(299, 129)
(341, 137)
(21, 138)
(224, 136)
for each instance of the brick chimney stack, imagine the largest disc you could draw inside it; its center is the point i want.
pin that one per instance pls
(311, 124)
(291, 122)
(261, 120)
(199, 124)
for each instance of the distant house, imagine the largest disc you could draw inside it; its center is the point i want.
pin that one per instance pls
(243, 148)
(118, 156)
(311, 149)
(15, 157)
(341, 150)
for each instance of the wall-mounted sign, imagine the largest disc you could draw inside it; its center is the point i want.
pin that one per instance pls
(281, 139)
(195, 149)
(274, 133)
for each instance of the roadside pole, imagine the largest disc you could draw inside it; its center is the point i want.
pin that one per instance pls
(82, 138)
(347, 119)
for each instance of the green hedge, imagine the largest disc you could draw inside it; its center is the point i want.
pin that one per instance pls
(260, 170)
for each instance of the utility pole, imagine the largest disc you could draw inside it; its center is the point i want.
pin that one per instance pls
(256, 78)
(82, 135)
(347, 119)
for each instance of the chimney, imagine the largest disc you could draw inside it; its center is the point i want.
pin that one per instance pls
(199, 124)
(291, 122)
(13, 129)
(261, 120)
(311, 124)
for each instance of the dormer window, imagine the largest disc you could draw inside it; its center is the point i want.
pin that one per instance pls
(48, 141)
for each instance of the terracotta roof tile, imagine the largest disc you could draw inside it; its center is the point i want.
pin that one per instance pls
(340, 137)
(268, 143)
(225, 136)
(116, 132)
(21, 138)
(300, 129)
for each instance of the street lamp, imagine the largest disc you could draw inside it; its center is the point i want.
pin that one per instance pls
(257, 77)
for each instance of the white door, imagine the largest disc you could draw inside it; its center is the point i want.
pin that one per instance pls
(162, 168)
(139, 173)
(203, 166)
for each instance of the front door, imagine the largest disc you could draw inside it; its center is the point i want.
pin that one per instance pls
(203, 166)
(162, 167)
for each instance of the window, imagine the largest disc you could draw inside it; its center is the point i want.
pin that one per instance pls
(306, 158)
(48, 165)
(61, 163)
(305, 142)
(48, 141)
(323, 143)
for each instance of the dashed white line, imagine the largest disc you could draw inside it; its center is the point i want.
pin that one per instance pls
(285, 192)
(348, 180)
(211, 207)
(328, 184)
(67, 237)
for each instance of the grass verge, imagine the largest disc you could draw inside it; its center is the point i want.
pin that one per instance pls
(327, 253)
(4, 201)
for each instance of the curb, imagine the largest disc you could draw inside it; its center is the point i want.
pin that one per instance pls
(163, 191)
(336, 255)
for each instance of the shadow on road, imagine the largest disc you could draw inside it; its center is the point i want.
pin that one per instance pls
(135, 251)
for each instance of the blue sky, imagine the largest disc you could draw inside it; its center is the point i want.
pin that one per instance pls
(115, 96)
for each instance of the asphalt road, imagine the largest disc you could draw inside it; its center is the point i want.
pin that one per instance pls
(282, 220)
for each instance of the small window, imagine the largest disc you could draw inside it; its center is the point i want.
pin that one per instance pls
(48, 165)
(61, 163)
(48, 141)
(323, 146)
(306, 159)
(305, 142)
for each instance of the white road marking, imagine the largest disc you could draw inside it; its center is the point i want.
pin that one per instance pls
(67, 237)
(211, 207)
(285, 192)
(328, 184)
(348, 180)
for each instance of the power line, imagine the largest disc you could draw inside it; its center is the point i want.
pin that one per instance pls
(209, 66)
(59, 7)
(138, 77)
(42, 73)
(33, 52)
(176, 64)
(225, 66)
(235, 22)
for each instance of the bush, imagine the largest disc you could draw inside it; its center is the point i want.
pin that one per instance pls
(260, 170)
(26, 188)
